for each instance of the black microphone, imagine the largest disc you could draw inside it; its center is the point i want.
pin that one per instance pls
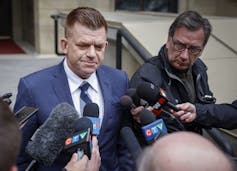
(127, 102)
(48, 141)
(83, 123)
(154, 96)
(131, 142)
(91, 111)
(80, 140)
(146, 117)
(6, 95)
(151, 128)
(6, 98)
(132, 93)
(158, 99)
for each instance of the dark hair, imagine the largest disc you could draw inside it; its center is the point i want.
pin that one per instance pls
(86, 16)
(192, 21)
(10, 137)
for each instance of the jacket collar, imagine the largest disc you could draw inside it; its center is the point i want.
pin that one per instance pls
(60, 85)
(197, 68)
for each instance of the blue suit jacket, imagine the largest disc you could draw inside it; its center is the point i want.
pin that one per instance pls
(47, 88)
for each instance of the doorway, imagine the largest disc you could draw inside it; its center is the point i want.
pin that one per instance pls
(6, 19)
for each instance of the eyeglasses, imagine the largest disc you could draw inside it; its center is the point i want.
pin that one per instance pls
(180, 47)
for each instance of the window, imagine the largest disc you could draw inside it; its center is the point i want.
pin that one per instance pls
(147, 5)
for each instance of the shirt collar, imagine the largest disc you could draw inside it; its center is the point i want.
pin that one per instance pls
(74, 81)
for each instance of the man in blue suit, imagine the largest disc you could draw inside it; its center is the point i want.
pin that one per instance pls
(84, 45)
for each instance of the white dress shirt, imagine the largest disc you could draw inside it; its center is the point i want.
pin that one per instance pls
(94, 91)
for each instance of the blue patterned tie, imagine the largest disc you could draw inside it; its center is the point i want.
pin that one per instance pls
(84, 98)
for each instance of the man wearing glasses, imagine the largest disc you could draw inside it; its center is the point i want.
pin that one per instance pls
(178, 69)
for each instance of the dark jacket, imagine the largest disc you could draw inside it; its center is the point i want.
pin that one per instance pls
(218, 115)
(159, 72)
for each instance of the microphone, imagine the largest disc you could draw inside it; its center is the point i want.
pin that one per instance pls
(91, 111)
(127, 102)
(48, 141)
(6, 98)
(151, 128)
(158, 99)
(154, 96)
(131, 142)
(131, 92)
(80, 140)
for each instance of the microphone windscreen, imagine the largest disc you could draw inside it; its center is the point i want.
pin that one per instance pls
(83, 124)
(146, 117)
(126, 101)
(91, 110)
(148, 92)
(49, 139)
(131, 142)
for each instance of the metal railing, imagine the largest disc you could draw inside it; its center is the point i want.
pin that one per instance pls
(122, 33)
(56, 18)
(224, 44)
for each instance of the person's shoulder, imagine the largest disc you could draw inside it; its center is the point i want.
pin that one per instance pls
(154, 60)
(149, 71)
(110, 70)
(151, 66)
(199, 63)
(112, 74)
(44, 72)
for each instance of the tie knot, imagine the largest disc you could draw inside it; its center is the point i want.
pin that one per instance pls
(84, 86)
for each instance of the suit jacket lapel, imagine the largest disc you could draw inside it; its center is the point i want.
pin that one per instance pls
(60, 85)
(107, 94)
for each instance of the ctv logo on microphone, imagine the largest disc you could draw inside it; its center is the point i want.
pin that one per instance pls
(77, 138)
(152, 130)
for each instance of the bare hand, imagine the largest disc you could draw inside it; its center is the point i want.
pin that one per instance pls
(186, 113)
(136, 113)
(77, 165)
(84, 164)
(95, 161)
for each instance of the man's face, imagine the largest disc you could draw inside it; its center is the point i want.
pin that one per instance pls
(84, 49)
(184, 47)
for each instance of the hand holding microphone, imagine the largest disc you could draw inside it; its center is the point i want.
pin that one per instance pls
(187, 112)
(77, 165)
(155, 96)
(137, 101)
(158, 102)
(84, 164)
(135, 109)
(95, 161)
(86, 128)
(80, 140)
